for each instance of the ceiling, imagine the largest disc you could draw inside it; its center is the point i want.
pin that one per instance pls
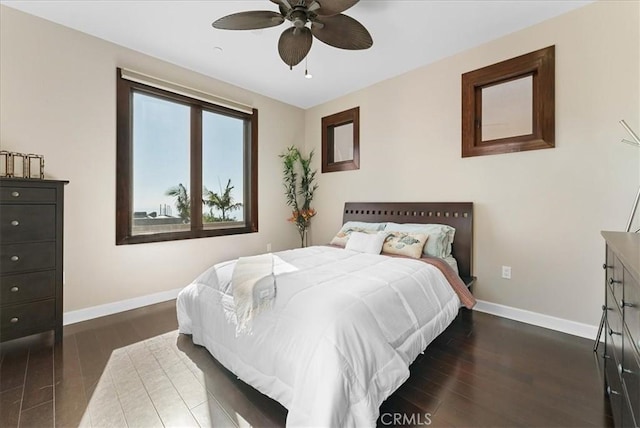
(406, 34)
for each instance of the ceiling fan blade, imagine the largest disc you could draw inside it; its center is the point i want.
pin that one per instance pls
(334, 7)
(251, 20)
(284, 4)
(342, 31)
(294, 45)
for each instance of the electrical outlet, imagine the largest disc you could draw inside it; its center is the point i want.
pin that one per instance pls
(506, 272)
(269, 247)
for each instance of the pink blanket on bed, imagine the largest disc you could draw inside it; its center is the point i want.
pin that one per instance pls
(457, 284)
(465, 296)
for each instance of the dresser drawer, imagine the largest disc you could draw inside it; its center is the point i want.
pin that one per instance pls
(615, 278)
(20, 223)
(632, 308)
(614, 327)
(630, 371)
(27, 194)
(19, 320)
(27, 287)
(614, 390)
(16, 258)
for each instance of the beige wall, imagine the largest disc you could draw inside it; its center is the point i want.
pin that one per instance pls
(539, 212)
(57, 98)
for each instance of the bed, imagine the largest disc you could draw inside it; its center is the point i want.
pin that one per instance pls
(344, 326)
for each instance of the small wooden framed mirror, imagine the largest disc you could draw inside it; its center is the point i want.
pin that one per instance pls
(510, 106)
(341, 141)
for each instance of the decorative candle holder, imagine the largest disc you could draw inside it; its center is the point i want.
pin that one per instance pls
(18, 165)
(34, 166)
(6, 169)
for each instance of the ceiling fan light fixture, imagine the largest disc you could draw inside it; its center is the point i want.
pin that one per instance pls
(298, 18)
(307, 75)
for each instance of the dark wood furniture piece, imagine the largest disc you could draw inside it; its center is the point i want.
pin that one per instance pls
(455, 214)
(31, 222)
(622, 339)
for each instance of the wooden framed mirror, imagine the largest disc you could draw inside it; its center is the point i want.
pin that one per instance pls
(510, 106)
(341, 141)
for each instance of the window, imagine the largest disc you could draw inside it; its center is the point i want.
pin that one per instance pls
(510, 106)
(170, 143)
(341, 141)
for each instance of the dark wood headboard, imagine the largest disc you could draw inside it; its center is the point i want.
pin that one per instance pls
(455, 214)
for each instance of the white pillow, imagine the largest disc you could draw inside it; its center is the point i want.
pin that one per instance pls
(370, 243)
(365, 225)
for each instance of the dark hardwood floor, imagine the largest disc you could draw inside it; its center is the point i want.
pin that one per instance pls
(133, 369)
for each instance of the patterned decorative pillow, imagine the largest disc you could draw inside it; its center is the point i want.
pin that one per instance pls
(440, 236)
(342, 236)
(405, 244)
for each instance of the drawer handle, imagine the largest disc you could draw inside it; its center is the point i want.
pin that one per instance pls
(611, 333)
(612, 391)
(605, 308)
(15, 223)
(14, 289)
(15, 258)
(14, 320)
(15, 194)
(614, 281)
(623, 370)
(606, 266)
(627, 304)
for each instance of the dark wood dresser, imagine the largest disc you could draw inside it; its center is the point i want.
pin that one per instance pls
(31, 222)
(622, 339)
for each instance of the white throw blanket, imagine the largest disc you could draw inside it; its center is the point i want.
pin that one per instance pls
(253, 289)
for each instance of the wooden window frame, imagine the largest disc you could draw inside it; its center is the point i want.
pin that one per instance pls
(328, 124)
(124, 165)
(541, 66)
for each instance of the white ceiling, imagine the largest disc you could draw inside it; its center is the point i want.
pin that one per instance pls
(406, 34)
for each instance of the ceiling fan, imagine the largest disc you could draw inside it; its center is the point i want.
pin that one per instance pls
(326, 22)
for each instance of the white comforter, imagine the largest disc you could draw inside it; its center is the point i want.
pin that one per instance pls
(339, 339)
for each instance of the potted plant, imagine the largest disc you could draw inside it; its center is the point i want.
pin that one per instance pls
(299, 194)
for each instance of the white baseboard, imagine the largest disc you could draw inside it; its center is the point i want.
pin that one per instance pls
(541, 320)
(85, 314)
(528, 317)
